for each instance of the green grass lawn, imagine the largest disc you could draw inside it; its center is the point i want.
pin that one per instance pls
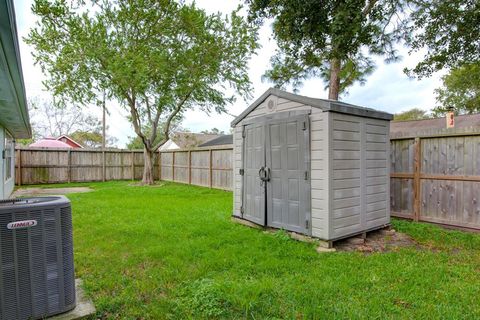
(172, 252)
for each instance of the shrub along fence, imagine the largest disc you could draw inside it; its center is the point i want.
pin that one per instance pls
(435, 177)
(211, 167)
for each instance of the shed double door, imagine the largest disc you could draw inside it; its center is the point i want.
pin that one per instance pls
(276, 177)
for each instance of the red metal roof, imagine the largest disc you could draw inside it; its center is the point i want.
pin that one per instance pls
(50, 143)
(69, 141)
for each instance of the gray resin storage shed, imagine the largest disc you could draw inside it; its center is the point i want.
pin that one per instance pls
(312, 166)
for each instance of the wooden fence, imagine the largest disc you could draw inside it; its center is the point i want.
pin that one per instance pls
(434, 178)
(202, 167)
(437, 179)
(211, 167)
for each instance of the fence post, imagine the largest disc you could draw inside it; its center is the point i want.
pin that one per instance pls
(69, 163)
(133, 165)
(417, 160)
(173, 165)
(159, 165)
(210, 168)
(103, 166)
(19, 167)
(189, 166)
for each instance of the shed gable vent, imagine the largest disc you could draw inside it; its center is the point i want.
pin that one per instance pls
(271, 104)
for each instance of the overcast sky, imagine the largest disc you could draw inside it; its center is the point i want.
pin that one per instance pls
(387, 89)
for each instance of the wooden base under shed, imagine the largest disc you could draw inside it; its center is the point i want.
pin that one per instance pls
(327, 244)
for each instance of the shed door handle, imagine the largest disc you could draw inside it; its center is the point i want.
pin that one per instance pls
(264, 174)
(261, 173)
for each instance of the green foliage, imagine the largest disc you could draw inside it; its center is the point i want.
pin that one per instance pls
(202, 298)
(136, 143)
(460, 91)
(24, 142)
(448, 31)
(88, 139)
(147, 252)
(213, 131)
(282, 235)
(92, 139)
(412, 114)
(312, 34)
(157, 58)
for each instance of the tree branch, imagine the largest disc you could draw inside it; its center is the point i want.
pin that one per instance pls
(149, 111)
(166, 130)
(368, 7)
(136, 119)
(153, 135)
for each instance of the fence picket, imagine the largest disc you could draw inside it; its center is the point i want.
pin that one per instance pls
(41, 165)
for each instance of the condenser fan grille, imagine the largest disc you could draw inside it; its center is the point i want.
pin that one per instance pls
(36, 275)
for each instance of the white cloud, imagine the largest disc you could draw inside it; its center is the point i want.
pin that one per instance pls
(388, 88)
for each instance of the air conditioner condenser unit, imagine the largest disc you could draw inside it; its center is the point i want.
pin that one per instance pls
(36, 258)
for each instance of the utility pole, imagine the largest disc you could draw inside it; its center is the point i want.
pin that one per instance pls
(104, 173)
(104, 122)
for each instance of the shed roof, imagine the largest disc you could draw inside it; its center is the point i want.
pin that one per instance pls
(219, 141)
(13, 105)
(324, 104)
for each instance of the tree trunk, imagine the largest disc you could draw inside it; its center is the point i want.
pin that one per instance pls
(334, 85)
(148, 167)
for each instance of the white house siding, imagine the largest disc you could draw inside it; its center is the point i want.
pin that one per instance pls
(359, 149)
(169, 145)
(2, 162)
(7, 182)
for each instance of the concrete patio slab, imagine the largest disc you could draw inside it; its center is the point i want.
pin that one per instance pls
(28, 192)
(83, 309)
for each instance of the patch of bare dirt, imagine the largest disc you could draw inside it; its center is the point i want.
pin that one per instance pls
(139, 184)
(376, 241)
(29, 192)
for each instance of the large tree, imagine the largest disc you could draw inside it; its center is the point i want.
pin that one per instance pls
(447, 32)
(158, 58)
(333, 40)
(93, 138)
(460, 91)
(412, 114)
(213, 131)
(51, 119)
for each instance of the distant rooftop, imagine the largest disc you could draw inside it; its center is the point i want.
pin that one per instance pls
(186, 140)
(226, 139)
(50, 143)
(417, 128)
